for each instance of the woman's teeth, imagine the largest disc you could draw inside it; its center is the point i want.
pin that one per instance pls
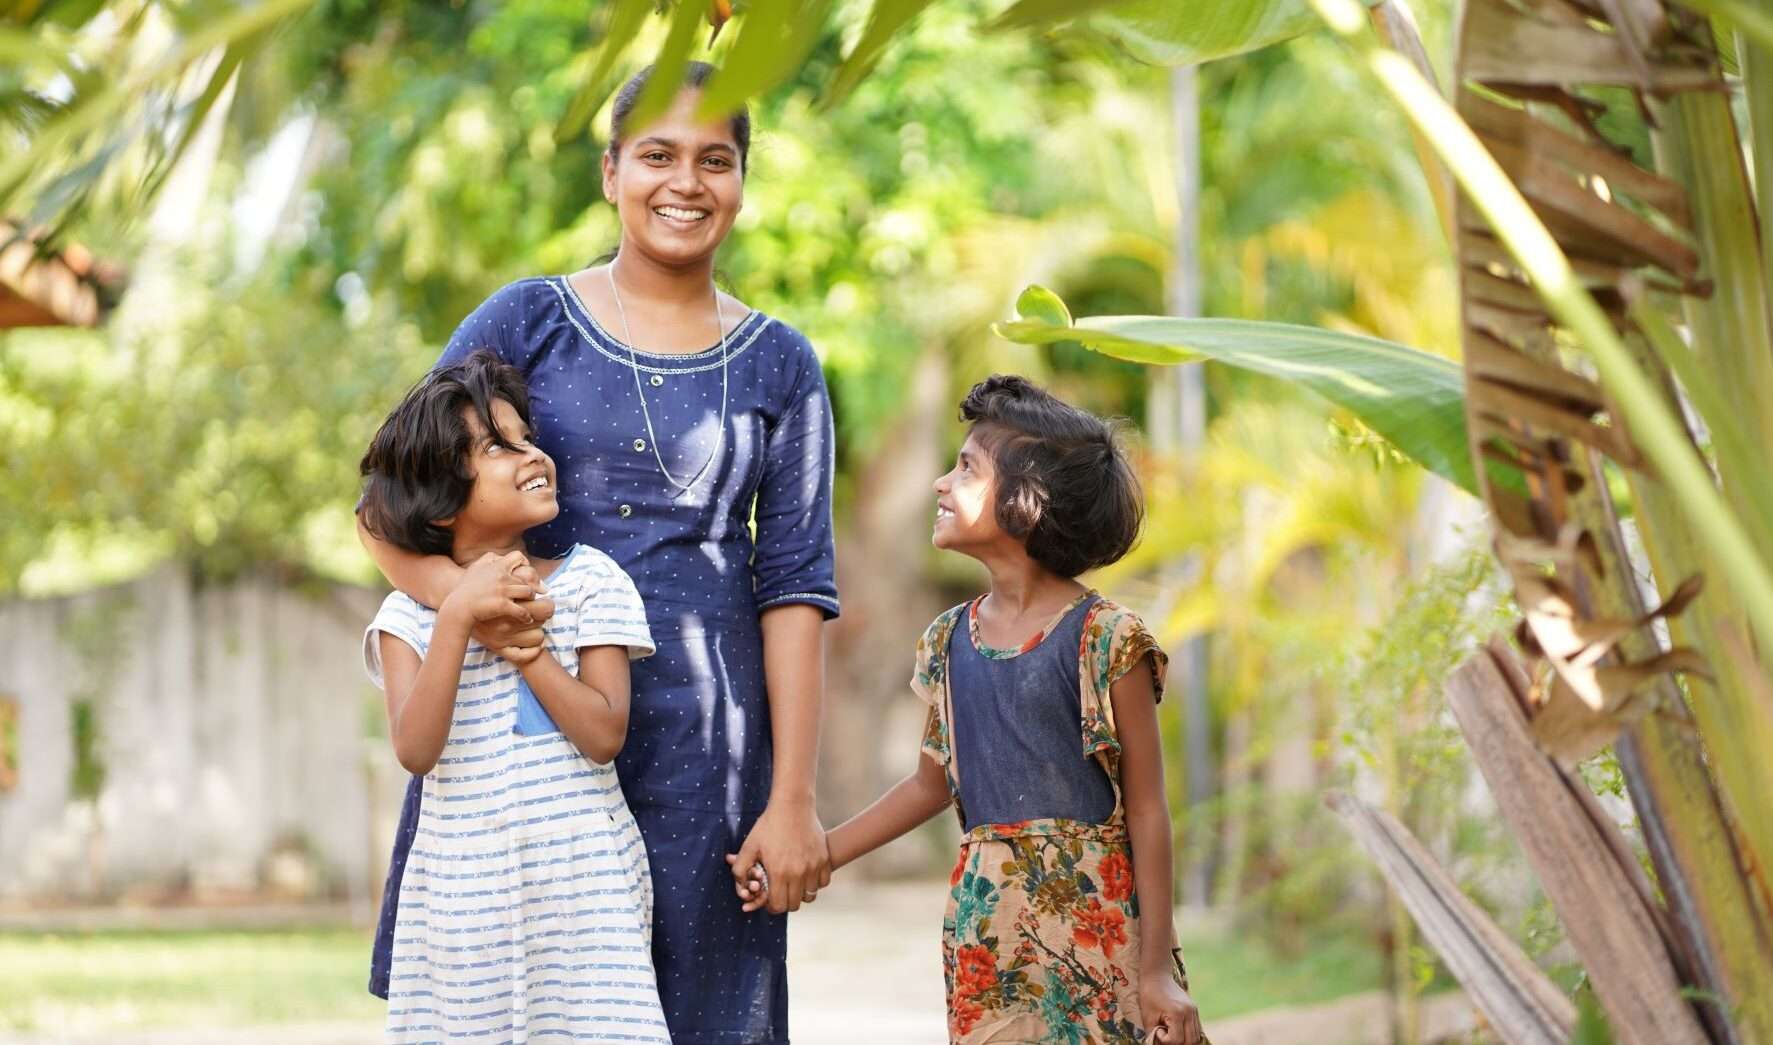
(680, 213)
(538, 483)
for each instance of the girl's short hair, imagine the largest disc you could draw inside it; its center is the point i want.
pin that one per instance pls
(1064, 485)
(417, 467)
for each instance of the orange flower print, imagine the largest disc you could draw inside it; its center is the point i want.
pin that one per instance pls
(1102, 928)
(1117, 877)
(975, 970)
(962, 1014)
(959, 867)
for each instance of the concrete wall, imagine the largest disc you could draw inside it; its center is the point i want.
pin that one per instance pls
(232, 724)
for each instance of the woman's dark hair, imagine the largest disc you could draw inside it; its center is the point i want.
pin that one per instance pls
(1064, 485)
(695, 75)
(417, 466)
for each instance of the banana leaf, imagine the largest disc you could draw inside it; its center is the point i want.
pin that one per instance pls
(1413, 399)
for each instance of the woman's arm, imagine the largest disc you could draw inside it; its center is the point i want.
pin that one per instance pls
(429, 579)
(592, 710)
(1167, 1007)
(788, 837)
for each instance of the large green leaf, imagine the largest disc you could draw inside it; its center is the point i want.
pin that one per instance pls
(1174, 32)
(1413, 399)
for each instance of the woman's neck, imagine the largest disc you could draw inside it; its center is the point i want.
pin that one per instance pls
(639, 278)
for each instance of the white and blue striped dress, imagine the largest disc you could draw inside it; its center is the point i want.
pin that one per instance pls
(526, 907)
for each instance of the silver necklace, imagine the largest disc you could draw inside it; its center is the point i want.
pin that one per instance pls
(634, 365)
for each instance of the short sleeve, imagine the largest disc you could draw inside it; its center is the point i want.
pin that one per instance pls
(929, 680)
(1128, 645)
(610, 612)
(1115, 641)
(403, 618)
(796, 556)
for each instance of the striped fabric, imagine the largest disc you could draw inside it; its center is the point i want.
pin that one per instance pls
(526, 908)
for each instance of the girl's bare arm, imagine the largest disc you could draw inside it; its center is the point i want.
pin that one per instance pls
(592, 710)
(1166, 1005)
(912, 801)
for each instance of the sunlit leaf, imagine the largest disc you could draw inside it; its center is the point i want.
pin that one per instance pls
(669, 64)
(774, 38)
(1030, 13)
(884, 22)
(1413, 399)
(625, 19)
(1168, 33)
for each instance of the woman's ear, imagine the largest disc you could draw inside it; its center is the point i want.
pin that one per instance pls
(609, 177)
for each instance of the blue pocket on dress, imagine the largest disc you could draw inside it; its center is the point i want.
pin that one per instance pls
(532, 718)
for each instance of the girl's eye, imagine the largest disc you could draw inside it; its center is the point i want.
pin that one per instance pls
(717, 163)
(655, 157)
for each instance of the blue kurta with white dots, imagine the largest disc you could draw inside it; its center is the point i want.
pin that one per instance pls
(696, 766)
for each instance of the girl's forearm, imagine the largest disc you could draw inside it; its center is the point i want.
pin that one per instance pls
(426, 578)
(909, 803)
(794, 678)
(596, 722)
(1149, 830)
(420, 726)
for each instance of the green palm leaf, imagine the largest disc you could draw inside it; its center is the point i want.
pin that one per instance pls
(1413, 399)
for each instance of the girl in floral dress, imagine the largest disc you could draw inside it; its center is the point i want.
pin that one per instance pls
(1042, 732)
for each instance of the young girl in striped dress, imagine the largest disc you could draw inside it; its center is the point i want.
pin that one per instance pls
(526, 908)
(1042, 732)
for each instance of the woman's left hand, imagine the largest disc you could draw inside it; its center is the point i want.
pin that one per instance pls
(790, 842)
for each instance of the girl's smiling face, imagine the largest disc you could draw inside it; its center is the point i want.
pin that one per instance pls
(966, 500)
(677, 184)
(513, 483)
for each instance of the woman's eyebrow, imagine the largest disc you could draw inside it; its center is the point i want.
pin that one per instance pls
(650, 140)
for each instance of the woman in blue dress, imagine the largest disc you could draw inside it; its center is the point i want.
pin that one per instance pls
(678, 418)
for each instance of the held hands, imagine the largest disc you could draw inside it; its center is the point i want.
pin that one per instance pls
(785, 860)
(1169, 1012)
(501, 595)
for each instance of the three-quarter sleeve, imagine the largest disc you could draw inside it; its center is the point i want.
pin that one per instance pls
(796, 557)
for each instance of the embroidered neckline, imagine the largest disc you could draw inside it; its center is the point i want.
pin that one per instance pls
(1004, 652)
(739, 339)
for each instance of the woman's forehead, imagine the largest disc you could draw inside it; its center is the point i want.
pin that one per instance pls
(678, 127)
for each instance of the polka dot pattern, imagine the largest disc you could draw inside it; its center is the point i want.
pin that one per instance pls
(696, 766)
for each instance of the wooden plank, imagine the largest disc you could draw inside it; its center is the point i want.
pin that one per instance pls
(1522, 1005)
(1604, 915)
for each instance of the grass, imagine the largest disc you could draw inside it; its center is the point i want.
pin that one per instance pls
(111, 981)
(1235, 973)
(92, 983)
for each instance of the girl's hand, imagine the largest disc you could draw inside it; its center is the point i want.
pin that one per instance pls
(517, 639)
(498, 595)
(790, 841)
(1169, 1012)
(753, 890)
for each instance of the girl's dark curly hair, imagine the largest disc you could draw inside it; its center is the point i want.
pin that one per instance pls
(1064, 485)
(417, 467)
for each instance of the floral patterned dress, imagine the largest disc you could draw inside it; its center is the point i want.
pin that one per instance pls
(1040, 942)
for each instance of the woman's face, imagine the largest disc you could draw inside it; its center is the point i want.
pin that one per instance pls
(676, 184)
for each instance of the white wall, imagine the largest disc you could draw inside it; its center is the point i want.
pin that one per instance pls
(231, 720)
